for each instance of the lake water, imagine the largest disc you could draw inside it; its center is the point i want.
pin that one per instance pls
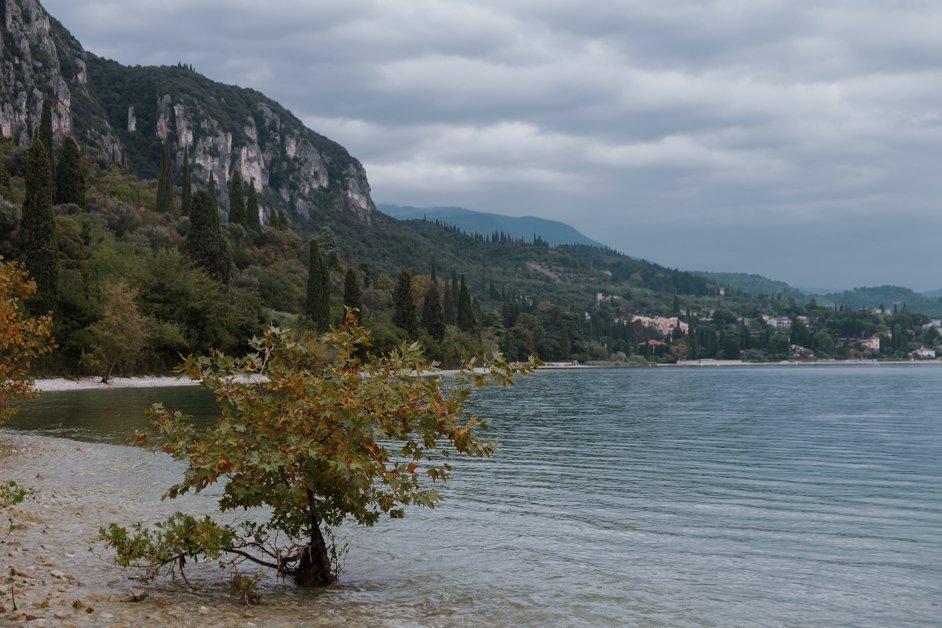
(714, 496)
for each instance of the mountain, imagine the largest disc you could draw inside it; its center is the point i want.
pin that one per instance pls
(886, 296)
(755, 285)
(126, 114)
(484, 223)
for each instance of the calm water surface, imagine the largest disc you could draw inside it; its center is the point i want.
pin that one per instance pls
(733, 496)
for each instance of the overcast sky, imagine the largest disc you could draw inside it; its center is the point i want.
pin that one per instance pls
(796, 139)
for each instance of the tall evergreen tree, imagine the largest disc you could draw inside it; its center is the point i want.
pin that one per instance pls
(186, 191)
(45, 132)
(253, 219)
(477, 326)
(404, 310)
(38, 247)
(433, 316)
(352, 295)
(465, 313)
(70, 180)
(206, 243)
(165, 182)
(4, 175)
(236, 200)
(317, 305)
(449, 307)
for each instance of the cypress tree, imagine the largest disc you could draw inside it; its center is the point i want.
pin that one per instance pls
(404, 310)
(236, 200)
(70, 180)
(186, 192)
(433, 317)
(45, 132)
(4, 175)
(317, 306)
(477, 325)
(205, 242)
(352, 295)
(253, 219)
(39, 250)
(165, 182)
(465, 313)
(449, 306)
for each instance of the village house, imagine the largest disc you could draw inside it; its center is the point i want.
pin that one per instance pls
(663, 324)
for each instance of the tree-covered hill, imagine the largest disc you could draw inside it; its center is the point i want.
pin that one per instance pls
(485, 223)
(888, 297)
(756, 285)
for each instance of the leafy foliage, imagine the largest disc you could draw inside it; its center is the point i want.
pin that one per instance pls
(316, 436)
(23, 338)
(118, 337)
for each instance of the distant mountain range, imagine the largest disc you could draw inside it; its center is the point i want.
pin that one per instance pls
(470, 221)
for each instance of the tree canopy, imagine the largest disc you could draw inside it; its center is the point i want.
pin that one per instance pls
(22, 338)
(316, 436)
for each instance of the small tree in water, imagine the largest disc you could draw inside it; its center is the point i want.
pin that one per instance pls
(316, 435)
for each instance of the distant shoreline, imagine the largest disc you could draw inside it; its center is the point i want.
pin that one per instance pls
(871, 363)
(62, 384)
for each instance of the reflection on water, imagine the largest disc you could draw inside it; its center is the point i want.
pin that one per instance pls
(108, 416)
(676, 497)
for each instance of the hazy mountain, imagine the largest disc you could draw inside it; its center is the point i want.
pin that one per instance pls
(484, 223)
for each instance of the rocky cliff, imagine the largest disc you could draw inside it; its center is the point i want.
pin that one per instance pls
(127, 113)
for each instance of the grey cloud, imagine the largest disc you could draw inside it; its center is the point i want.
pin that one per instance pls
(794, 138)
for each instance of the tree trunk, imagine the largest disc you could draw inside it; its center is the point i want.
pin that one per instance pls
(313, 569)
(106, 378)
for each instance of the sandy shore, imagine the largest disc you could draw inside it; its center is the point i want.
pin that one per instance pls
(92, 383)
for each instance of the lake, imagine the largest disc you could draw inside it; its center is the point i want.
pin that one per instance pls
(712, 496)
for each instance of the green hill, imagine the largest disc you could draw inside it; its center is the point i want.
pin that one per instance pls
(755, 285)
(889, 297)
(483, 223)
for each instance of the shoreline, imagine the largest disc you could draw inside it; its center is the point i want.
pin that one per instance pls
(63, 384)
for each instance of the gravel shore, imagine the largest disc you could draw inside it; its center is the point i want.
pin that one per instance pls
(55, 572)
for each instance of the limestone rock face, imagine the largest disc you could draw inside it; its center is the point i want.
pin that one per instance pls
(127, 113)
(37, 58)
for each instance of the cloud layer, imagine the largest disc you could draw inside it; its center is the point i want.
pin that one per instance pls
(795, 139)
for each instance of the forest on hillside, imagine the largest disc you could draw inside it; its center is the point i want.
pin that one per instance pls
(138, 272)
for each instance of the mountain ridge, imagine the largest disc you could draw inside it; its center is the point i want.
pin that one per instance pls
(554, 232)
(126, 114)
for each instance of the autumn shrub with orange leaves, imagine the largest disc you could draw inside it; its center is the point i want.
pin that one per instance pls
(23, 338)
(314, 431)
